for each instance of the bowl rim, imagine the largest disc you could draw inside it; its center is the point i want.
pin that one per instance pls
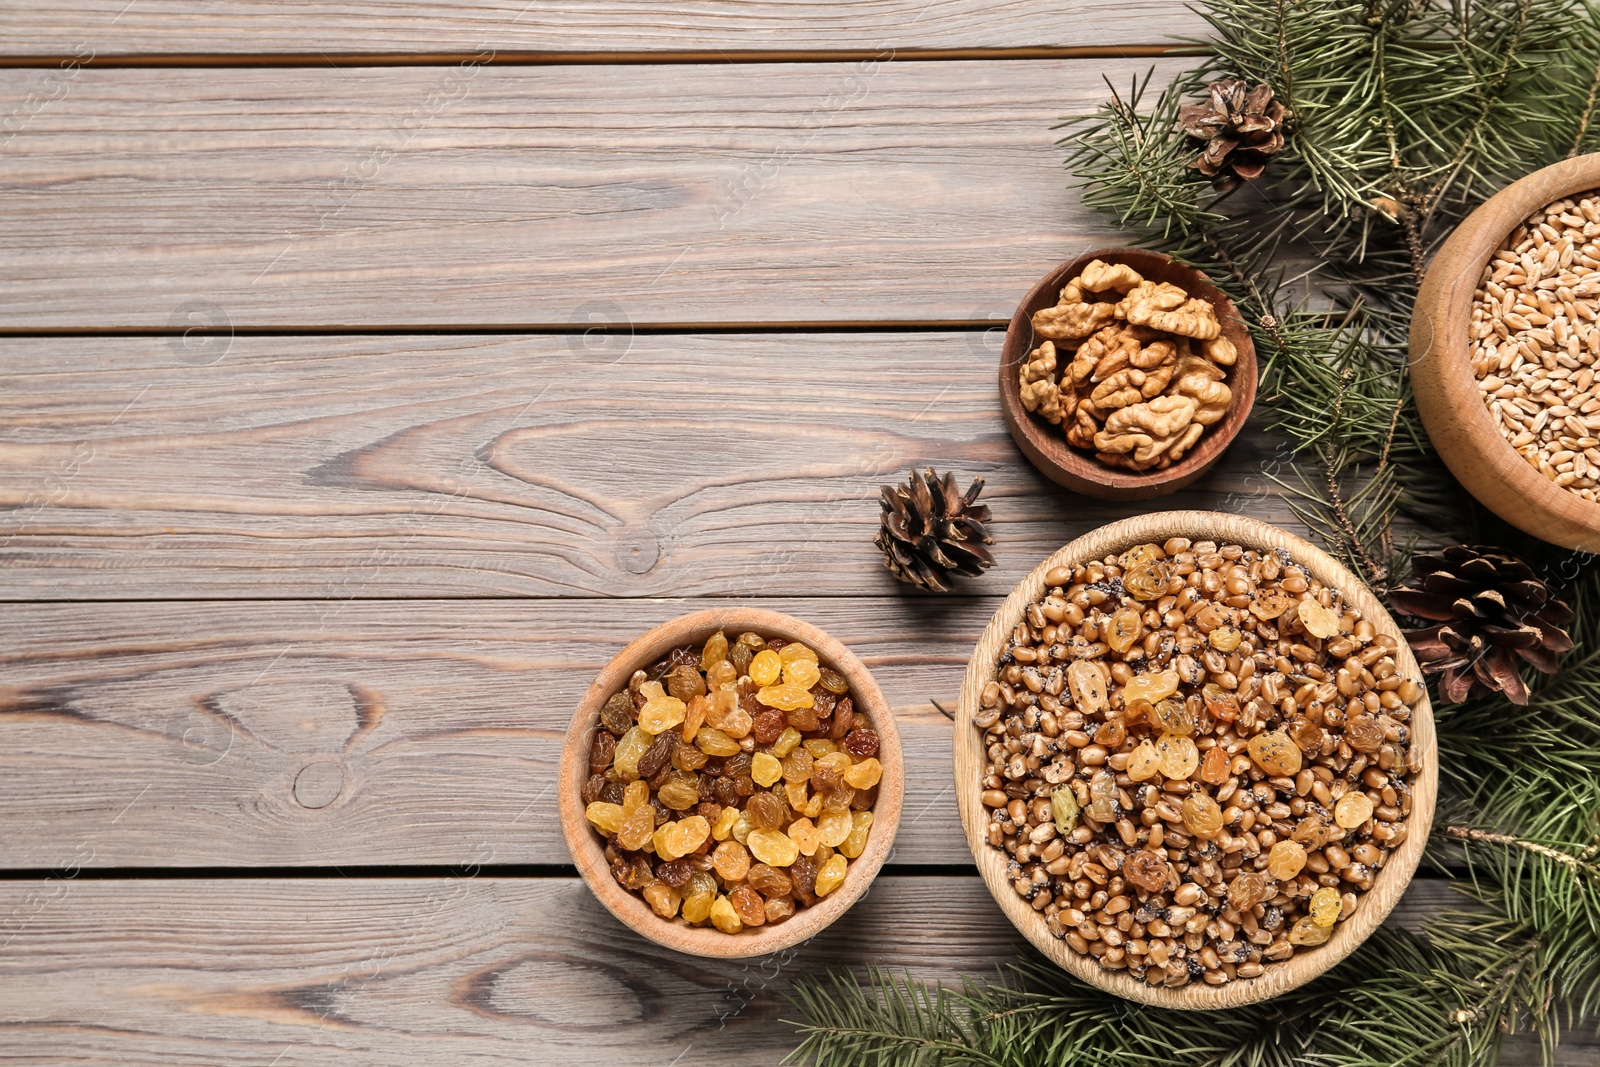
(1048, 450)
(586, 846)
(1444, 308)
(1392, 879)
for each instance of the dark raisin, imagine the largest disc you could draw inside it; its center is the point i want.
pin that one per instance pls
(657, 670)
(714, 765)
(843, 718)
(803, 719)
(751, 706)
(686, 682)
(675, 873)
(833, 681)
(864, 799)
(741, 657)
(600, 753)
(687, 757)
(683, 657)
(765, 812)
(614, 792)
(593, 788)
(738, 765)
(803, 876)
(766, 726)
(824, 701)
(769, 881)
(825, 778)
(617, 714)
(709, 810)
(635, 873)
(861, 743)
(776, 643)
(748, 903)
(744, 785)
(664, 814)
(725, 792)
(656, 756)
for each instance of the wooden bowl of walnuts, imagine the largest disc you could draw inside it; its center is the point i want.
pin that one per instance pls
(1516, 459)
(731, 783)
(1125, 374)
(1194, 760)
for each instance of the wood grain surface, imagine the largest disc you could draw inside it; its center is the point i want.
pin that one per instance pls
(272, 733)
(542, 196)
(343, 467)
(456, 970)
(315, 28)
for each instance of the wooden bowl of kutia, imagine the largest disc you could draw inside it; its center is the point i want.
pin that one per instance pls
(1194, 760)
(1504, 352)
(721, 817)
(1125, 374)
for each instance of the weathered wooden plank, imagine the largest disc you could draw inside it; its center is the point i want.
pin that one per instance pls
(338, 467)
(402, 27)
(348, 733)
(770, 193)
(480, 970)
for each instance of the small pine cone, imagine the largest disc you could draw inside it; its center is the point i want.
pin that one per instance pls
(1240, 127)
(1491, 613)
(930, 530)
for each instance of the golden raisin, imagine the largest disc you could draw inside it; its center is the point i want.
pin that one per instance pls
(1123, 629)
(1275, 753)
(731, 861)
(1306, 931)
(725, 917)
(765, 667)
(1201, 814)
(1145, 761)
(1318, 620)
(1248, 889)
(1179, 756)
(864, 775)
(1146, 869)
(831, 876)
(1146, 580)
(1287, 859)
(801, 673)
(1352, 809)
(787, 698)
(715, 650)
(1325, 906)
(1152, 687)
(773, 847)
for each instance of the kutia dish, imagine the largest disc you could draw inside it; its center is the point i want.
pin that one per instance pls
(731, 782)
(1125, 374)
(1194, 760)
(1514, 288)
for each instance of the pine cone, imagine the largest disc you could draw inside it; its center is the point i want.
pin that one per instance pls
(930, 530)
(1242, 128)
(1493, 614)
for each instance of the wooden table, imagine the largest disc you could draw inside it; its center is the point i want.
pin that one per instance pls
(373, 372)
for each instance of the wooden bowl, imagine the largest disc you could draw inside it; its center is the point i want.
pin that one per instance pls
(587, 847)
(969, 761)
(1046, 445)
(1452, 407)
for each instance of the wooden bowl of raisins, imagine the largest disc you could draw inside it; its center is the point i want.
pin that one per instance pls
(1195, 760)
(731, 783)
